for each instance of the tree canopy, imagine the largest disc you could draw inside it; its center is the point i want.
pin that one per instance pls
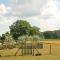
(52, 34)
(21, 27)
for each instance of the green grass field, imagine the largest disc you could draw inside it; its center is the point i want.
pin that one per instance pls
(45, 54)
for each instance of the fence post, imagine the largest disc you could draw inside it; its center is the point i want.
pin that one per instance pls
(33, 51)
(50, 52)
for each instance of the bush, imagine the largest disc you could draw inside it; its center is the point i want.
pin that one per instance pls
(11, 46)
(2, 47)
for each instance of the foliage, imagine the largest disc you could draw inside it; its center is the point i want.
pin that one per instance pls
(2, 38)
(36, 38)
(9, 41)
(34, 30)
(21, 28)
(52, 34)
(23, 39)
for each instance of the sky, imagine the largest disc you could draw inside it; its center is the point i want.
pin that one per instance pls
(44, 14)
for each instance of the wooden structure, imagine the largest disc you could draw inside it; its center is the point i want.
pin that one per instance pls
(28, 48)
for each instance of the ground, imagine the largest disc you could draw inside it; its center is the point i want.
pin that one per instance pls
(43, 57)
(45, 53)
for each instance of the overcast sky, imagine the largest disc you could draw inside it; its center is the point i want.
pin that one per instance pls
(44, 14)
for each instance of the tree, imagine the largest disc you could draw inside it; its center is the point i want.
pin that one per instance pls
(23, 39)
(34, 30)
(21, 28)
(2, 38)
(9, 41)
(50, 34)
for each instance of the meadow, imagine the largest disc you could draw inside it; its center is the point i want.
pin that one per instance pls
(43, 57)
(55, 52)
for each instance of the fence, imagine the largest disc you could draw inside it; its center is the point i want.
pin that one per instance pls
(50, 49)
(42, 47)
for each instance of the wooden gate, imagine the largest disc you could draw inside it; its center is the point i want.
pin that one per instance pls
(27, 49)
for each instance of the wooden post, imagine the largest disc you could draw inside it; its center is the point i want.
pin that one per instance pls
(17, 51)
(33, 50)
(50, 50)
(22, 49)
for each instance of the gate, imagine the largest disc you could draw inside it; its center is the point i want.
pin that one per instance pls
(27, 49)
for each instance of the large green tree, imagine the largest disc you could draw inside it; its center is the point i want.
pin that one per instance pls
(34, 30)
(21, 27)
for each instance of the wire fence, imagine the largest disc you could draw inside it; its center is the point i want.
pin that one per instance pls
(50, 49)
(42, 48)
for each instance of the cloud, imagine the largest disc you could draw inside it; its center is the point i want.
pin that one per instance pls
(49, 18)
(26, 8)
(4, 10)
(5, 22)
(41, 13)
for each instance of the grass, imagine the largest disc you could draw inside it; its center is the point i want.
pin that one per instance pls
(45, 53)
(43, 57)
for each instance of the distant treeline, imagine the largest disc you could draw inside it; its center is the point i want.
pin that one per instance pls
(52, 34)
